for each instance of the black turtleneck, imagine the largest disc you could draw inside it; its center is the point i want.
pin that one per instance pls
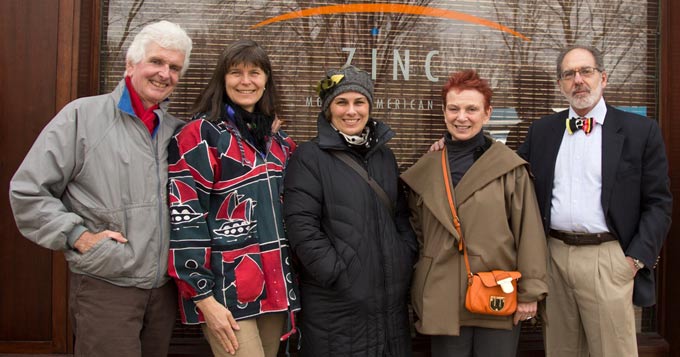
(462, 154)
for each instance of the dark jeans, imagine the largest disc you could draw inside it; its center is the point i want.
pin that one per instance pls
(477, 342)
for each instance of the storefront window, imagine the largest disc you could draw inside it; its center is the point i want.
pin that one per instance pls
(410, 50)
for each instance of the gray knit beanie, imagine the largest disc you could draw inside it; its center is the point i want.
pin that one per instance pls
(345, 79)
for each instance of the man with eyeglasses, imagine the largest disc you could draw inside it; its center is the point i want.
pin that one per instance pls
(601, 179)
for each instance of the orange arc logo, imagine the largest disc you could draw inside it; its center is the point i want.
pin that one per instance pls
(391, 8)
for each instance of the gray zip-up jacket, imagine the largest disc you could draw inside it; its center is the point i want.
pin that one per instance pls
(95, 167)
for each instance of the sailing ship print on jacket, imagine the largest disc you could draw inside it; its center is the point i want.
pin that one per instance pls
(227, 237)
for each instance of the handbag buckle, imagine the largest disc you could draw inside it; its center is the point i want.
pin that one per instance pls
(506, 285)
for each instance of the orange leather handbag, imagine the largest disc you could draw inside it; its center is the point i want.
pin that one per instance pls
(490, 292)
(485, 294)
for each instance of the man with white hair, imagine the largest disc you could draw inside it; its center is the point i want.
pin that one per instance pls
(93, 185)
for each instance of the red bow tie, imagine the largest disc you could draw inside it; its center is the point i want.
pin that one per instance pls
(576, 124)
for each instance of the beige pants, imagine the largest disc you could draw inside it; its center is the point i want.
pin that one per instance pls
(258, 337)
(590, 301)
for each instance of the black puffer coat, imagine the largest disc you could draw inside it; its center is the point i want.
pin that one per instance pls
(356, 258)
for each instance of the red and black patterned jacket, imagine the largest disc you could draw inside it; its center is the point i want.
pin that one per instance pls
(227, 238)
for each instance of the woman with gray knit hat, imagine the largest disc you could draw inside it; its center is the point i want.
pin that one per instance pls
(348, 223)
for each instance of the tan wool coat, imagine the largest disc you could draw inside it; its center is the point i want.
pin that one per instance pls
(502, 228)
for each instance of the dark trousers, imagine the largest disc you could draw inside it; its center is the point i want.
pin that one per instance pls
(477, 342)
(115, 321)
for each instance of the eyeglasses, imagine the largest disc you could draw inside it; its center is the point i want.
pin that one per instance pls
(585, 72)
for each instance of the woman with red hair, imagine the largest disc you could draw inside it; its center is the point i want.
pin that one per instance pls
(494, 197)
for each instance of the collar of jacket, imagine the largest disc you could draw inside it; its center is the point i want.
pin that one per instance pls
(329, 139)
(425, 179)
(125, 103)
(425, 176)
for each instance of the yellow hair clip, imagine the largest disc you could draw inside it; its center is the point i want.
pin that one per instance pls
(328, 83)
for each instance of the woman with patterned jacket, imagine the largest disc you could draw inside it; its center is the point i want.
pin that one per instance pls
(228, 251)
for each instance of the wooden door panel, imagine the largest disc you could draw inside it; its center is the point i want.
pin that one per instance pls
(29, 318)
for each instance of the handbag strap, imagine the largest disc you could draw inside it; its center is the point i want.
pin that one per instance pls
(364, 175)
(456, 221)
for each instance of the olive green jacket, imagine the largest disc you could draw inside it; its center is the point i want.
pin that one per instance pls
(502, 227)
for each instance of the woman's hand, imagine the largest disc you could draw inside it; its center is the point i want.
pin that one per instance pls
(276, 125)
(525, 311)
(221, 322)
(437, 145)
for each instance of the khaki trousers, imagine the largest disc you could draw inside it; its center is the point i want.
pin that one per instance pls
(590, 301)
(115, 321)
(258, 337)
